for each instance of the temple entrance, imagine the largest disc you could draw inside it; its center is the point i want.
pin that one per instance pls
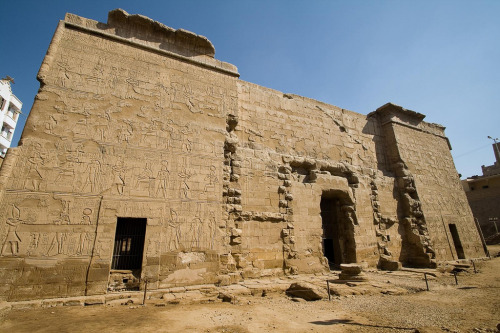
(127, 254)
(329, 221)
(456, 241)
(338, 233)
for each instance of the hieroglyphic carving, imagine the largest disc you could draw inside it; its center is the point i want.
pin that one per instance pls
(212, 179)
(33, 245)
(64, 216)
(86, 216)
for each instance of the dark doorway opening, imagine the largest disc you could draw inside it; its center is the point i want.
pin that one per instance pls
(337, 221)
(330, 212)
(456, 241)
(129, 243)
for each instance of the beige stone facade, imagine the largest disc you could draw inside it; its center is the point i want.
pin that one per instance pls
(483, 193)
(146, 159)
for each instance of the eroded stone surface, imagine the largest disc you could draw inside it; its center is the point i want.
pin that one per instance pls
(138, 124)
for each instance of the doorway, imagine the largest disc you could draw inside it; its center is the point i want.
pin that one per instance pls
(129, 243)
(128, 251)
(330, 211)
(456, 241)
(338, 231)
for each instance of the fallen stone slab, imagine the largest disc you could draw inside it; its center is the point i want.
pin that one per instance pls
(227, 297)
(305, 290)
(386, 263)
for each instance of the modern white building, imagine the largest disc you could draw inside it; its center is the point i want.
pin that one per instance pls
(10, 108)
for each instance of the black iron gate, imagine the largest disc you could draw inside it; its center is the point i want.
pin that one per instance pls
(129, 243)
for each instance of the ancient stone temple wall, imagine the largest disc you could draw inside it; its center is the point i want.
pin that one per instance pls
(436, 181)
(293, 150)
(144, 159)
(116, 131)
(430, 198)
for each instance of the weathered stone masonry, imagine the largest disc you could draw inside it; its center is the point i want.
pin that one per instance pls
(138, 124)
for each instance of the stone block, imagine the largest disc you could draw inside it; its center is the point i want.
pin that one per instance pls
(306, 291)
(351, 269)
(386, 263)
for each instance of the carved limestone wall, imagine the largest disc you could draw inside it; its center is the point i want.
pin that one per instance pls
(136, 122)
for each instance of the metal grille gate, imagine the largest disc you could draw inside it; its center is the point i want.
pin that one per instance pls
(129, 243)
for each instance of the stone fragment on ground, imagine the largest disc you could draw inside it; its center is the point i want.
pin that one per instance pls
(352, 272)
(306, 291)
(386, 263)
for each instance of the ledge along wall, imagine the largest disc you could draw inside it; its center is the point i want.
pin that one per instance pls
(134, 119)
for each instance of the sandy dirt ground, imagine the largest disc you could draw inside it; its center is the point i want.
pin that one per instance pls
(404, 305)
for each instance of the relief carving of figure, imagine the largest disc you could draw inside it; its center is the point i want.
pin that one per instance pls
(84, 239)
(33, 173)
(175, 232)
(184, 187)
(212, 228)
(58, 240)
(196, 232)
(113, 77)
(93, 179)
(146, 178)
(163, 179)
(187, 144)
(102, 124)
(119, 177)
(153, 247)
(124, 133)
(12, 240)
(33, 245)
(50, 124)
(67, 170)
(63, 74)
(133, 83)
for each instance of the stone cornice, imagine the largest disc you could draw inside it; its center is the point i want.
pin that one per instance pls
(144, 33)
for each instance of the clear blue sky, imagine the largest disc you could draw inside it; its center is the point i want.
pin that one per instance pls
(439, 58)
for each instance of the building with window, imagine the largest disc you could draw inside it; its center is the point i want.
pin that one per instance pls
(483, 194)
(10, 108)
